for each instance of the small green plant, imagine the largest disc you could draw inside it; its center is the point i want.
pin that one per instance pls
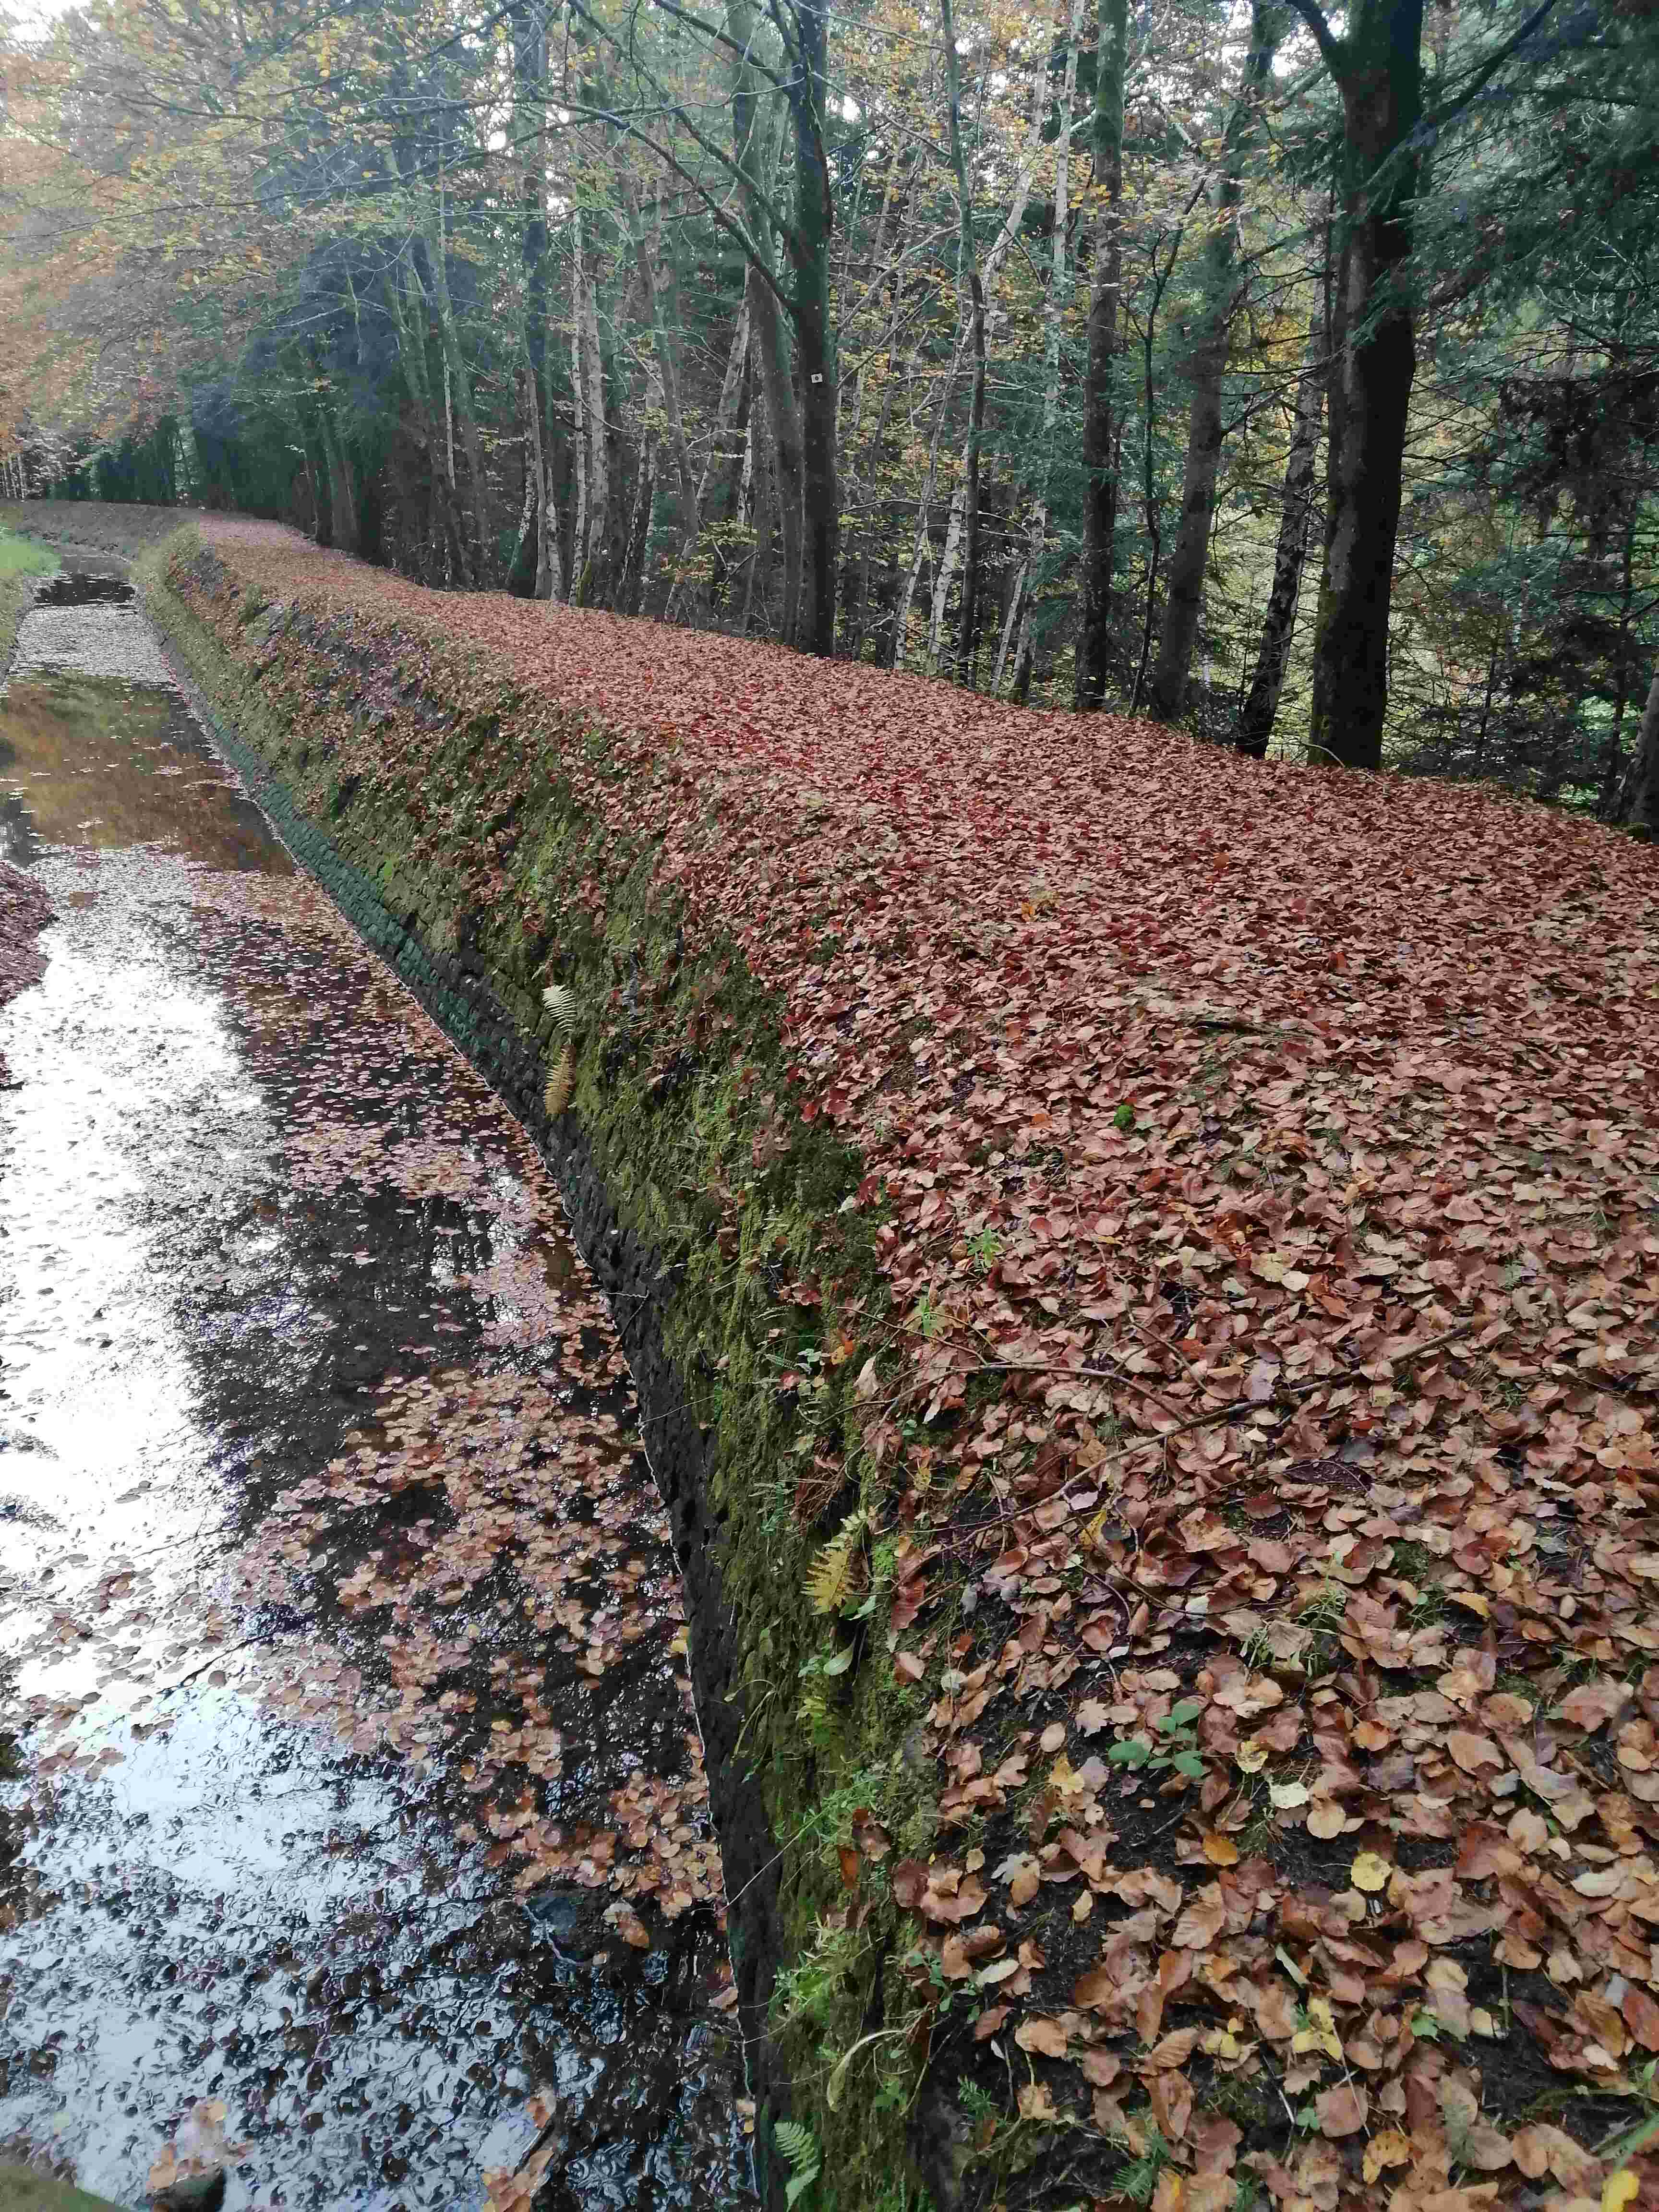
(925, 1317)
(1138, 2180)
(1174, 1745)
(800, 2147)
(840, 1572)
(984, 1248)
(1124, 1118)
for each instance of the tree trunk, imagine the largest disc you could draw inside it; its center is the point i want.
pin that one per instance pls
(342, 496)
(814, 337)
(1255, 721)
(784, 437)
(1378, 69)
(458, 376)
(1053, 315)
(1641, 811)
(532, 575)
(1207, 367)
(591, 585)
(968, 277)
(1099, 450)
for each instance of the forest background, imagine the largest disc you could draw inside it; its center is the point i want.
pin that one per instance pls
(1293, 377)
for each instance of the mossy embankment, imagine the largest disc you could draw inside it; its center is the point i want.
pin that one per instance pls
(20, 562)
(453, 815)
(1139, 1267)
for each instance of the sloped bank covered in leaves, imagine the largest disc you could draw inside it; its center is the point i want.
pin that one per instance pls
(1156, 1256)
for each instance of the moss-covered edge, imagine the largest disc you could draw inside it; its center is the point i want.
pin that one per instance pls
(723, 1226)
(16, 594)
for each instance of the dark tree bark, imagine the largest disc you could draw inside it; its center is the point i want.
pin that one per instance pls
(1641, 811)
(1377, 67)
(1255, 721)
(1206, 366)
(1099, 445)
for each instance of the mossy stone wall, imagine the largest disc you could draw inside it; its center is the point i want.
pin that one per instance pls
(679, 1094)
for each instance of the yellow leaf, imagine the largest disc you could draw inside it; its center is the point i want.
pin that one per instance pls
(1619, 2189)
(1388, 2148)
(1369, 1871)
(1320, 2033)
(1251, 1756)
(1221, 1850)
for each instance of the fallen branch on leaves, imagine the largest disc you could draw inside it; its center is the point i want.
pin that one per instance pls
(1294, 1393)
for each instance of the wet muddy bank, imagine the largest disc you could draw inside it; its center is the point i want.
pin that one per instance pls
(452, 985)
(361, 1789)
(313, 710)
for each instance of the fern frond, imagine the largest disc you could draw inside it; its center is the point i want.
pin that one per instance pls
(561, 1003)
(557, 1097)
(837, 1572)
(795, 2140)
(799, 2145)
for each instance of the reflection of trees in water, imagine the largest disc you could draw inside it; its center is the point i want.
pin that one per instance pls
(83, 747)
(368, 2010)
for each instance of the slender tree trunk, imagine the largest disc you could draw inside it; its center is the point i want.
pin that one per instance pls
(1378, 69)
(814, 336)
(989, 277)
(592, 584)
(532, 575)
(1261, 707)
(968, 277)
(885, 265)
(662, 397)
(1207, 367)
(458, 377)
(1641, 808)
(716, 490)
(1612, 759)
(342, 495)
(1053, 316)
(945, 575)
(1099, 442)
(784, 435)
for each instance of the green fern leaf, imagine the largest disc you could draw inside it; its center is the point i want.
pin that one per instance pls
(837, 1573)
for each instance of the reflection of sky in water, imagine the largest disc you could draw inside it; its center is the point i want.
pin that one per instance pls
(233, 1842)
(97, 1380)
(244, 1908)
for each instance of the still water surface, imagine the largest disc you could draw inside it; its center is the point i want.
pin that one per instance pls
(357, 1783)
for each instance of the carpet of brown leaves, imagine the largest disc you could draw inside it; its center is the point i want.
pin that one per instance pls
(1284, 1145)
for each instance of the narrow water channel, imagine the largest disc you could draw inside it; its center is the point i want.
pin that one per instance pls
(354, 1785)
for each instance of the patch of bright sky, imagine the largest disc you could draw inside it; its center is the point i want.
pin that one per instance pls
(30, 20)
